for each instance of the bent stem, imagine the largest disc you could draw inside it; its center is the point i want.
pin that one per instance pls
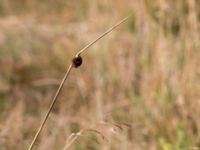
(66, 76)
(51, 107)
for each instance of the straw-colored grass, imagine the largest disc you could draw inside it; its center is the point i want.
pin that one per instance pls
(145, 74)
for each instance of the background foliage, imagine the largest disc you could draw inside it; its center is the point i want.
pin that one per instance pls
(142, 81)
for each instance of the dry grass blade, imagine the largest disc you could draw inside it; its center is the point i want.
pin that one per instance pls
(50, 108)
(71, 139)
(74, 136)
(66, 76)
(101, 36)
(115, 126)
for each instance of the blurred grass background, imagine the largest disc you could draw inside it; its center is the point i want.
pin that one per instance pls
(144, 76)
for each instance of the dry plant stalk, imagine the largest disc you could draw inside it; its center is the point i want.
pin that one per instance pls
(74, 136)
(76, 62)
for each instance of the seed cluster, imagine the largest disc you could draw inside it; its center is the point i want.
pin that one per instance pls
(77, 61)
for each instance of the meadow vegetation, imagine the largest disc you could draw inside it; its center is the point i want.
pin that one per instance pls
(138, 88)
